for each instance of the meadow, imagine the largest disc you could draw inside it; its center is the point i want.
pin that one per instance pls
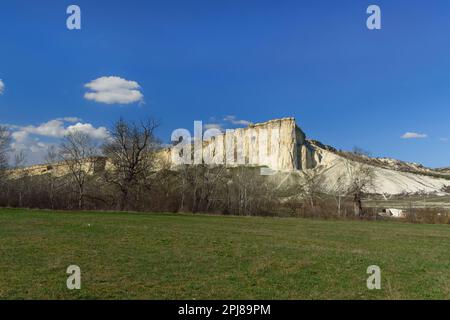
(176, 256)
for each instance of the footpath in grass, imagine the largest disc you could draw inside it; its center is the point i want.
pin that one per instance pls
(166, 256)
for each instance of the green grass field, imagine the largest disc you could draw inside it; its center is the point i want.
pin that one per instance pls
(166, 256)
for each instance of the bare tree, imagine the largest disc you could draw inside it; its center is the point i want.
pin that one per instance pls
(204, 183)
(183, 183)
(313, 186)
(78, 150)
(50, 160)
(132, 152)
(358, 151)
(4, 148)
(243, 183)
(361, 179)
(340, 191)
(20, 159)
(247, 192)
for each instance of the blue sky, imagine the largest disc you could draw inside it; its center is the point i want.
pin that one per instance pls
(181, 61)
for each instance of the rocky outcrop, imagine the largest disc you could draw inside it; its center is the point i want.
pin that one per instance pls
(277, 144)
(59, 169)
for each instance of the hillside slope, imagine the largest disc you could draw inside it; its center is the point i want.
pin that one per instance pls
(391, 176)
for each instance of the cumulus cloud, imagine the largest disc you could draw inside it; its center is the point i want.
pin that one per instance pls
(114, 90)
(56, 129)
(89, 129)
(33, 148)
(30, 138)
(207, 126)
(70, 119)
(19, 136)
(53, 128)
(2, 87)
(414, 135)
(235, 121)
(225, 122)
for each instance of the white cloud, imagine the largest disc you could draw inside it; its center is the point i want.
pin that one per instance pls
(207, 126)
(53, 128)
(414, 135)
(87, 128)
(114, 90)
(28, 138)
(30, 147)
(70, 119)
(34, 150)
(2, 87)
(443, 139)
(225, 123)
(235, 121)
(56, 129)
(19, 136)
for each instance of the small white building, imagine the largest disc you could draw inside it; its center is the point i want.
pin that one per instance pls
(393, 213)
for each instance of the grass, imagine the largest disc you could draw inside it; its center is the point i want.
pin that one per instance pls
(166, 256)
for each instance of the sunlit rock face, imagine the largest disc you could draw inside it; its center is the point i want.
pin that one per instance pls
(278, 144)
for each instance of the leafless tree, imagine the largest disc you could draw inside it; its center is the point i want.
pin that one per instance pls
(205, 183)
(313, 186)
(21, 178)
(340, 191)
(243, 187)
(132, 152)
(51, 159)
(358, 151)
(361, 179)
(78, 152)
(4, 148)
(183, 175)
(248, 192)
(20, 159)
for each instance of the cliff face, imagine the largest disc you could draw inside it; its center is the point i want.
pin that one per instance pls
(278, 144)
(273, 144)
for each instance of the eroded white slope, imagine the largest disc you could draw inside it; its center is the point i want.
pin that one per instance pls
(386, 181)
